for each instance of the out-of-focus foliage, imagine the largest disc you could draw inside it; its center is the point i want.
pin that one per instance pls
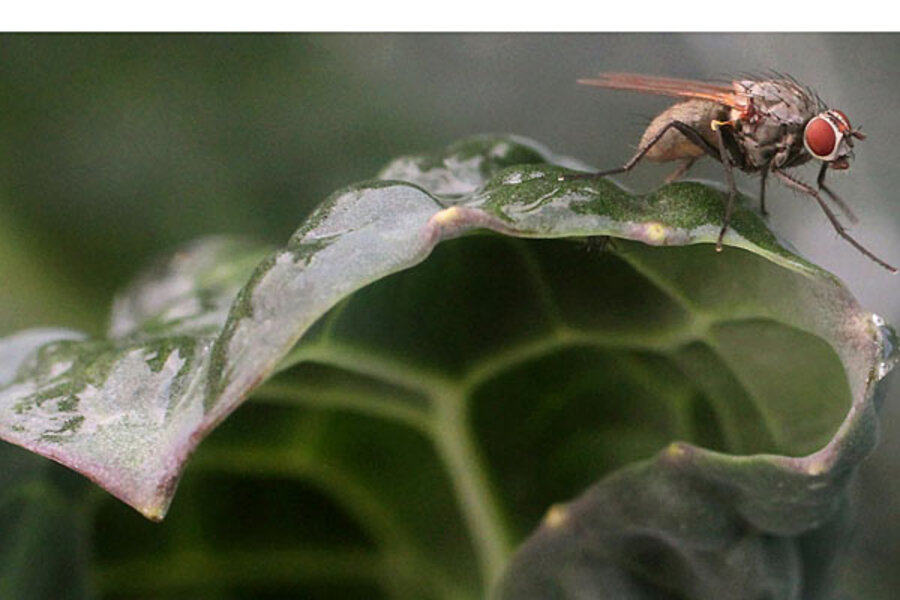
(116, 146)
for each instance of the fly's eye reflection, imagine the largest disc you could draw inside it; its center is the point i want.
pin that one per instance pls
(820, 138)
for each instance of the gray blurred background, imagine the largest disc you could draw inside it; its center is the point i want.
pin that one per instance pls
(114, 148)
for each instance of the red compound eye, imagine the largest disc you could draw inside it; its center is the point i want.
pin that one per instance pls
(820, 137)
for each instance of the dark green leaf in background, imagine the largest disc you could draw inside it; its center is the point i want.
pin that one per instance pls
(46, 536)
(410, 427)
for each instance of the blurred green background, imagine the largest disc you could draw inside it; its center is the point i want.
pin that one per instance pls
(114, 148)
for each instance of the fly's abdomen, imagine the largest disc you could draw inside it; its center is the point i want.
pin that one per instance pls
(674, 145)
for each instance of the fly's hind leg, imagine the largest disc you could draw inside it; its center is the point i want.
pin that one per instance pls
(689, 132)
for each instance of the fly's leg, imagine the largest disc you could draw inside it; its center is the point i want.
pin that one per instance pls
(809, 190)
(834, 198)
(689, 132)
(681, 170)
(729, 177)
(764, 173)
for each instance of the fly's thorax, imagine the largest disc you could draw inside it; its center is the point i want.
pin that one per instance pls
(781, 100)
(771, 129)
(697, 114)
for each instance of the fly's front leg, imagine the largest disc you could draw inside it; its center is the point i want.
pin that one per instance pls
(729, 177)
(834, 198)
(809, 190)
(689, 132)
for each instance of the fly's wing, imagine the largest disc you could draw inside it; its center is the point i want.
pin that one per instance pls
(670, 86)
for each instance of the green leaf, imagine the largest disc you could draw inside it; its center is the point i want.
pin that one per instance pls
(44, 532)
(117, 409)
(433, 414)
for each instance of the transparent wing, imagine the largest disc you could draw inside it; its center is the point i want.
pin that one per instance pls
(669, 86)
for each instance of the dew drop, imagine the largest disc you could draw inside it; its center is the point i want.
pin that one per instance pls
(890, 347)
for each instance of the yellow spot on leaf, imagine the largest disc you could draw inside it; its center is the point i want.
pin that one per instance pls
(446, 216)
(816, 467)
(675, 450)
(655, 232)
(556, 516)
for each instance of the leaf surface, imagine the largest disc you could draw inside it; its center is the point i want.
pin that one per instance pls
(701, 410)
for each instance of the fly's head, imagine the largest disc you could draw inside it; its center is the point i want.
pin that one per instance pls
(829, 137)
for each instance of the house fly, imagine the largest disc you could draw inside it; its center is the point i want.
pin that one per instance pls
(758, 125)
